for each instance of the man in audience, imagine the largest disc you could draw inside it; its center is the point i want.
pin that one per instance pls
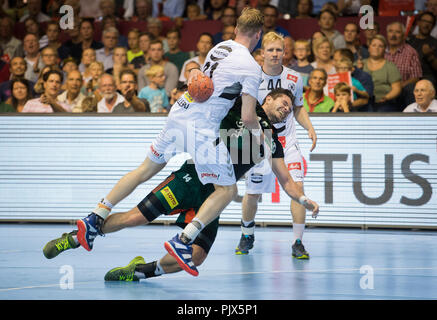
(175, 54)
(12, 47)
(109, 40)
(229, 18)
(144, 40)
(128, 87)
(110, 96)
(171, 73)
(143, 10)
(204, 44)
(405, 58)
(327, 20)
(47, 102)
(314, 99)
(72, 95)
(86, 30)
(32, 57)
(271, 15)
(49, 57)
(424, 94)
(431, 6)
(34, 11)
(352, 38)
(425, 45)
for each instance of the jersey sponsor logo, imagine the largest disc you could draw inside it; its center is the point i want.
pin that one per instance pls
(292, 77)
(209, 175)
(170, 197)
(294, 166)
(256, 178)
(154, 152)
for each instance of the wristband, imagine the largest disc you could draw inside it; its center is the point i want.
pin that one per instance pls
(303, 199)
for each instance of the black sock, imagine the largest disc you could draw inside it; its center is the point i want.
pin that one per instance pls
(149, 269)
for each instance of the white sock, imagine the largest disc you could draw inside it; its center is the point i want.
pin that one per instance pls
(248, 227)
(192, 230)
(103, 208)
(298, 230)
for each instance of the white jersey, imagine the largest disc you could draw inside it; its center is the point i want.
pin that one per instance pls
(291, 80)
(233, 71)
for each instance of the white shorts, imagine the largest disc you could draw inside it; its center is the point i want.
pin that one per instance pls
(259, 181)
(212, 161)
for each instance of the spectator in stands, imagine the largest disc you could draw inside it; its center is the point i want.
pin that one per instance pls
(194, 12)
(119, 63)
(143, 10)
(68, 65)
(352, 39)
(316, 35)
(215, 9)
(405, 58)
(110, 96)
(175, 54)
(75, 4)
(133, 44)
(342, 102)
(109, 40)
(111, 21)
(72, 96)
(385, 75)
(128, 88)
(90, 9)
(20, 94)
(349, 7)
(363, 77)
(431, 6)
(154, 92)
(88, 57)
(89, 104)
(302, 53)
(157, 58)
(92, 85)
(257, 55)
(271, 15)
(107, 9)
(327, 20)
(361, 97)
(74, 39)
(425, 45)
(228, 19)
(32, 57)
(424, 93)
(204, 44)
(168, 8)
(34, 11)
(52, 34)
(86, 29)
(154, 26)
(47, 102)
(191, 65)
(314, 98)
(288, 58)
(17, 70)
(49, 57)
(11, 46)
(323, 50)
(144, 43)
(304, 9)
(370, 33)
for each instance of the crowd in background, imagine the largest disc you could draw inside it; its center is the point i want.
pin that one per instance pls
(146, 70)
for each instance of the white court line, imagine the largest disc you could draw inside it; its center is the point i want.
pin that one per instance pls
(241, 273)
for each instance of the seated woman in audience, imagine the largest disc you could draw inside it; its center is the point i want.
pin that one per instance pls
(88, 56)
(20, 94)
(323, 50)
(385, 75)
(47, 102)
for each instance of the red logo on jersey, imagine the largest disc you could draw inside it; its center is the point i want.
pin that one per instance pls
(294, 166)
(291, 77)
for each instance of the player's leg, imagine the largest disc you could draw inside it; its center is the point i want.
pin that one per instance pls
(298, 213)
(90, 227)
(249, 208)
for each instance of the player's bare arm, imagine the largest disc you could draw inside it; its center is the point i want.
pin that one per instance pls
(302, 117)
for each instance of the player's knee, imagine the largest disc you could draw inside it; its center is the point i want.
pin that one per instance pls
(230, 191)
(252, 198)
(199, 255)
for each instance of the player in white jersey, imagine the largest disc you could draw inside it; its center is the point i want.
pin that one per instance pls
(193, 127)
(260, 179)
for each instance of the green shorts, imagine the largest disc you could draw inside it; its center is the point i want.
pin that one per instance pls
(181, 193)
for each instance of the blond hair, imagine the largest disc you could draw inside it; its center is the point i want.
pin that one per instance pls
(96, 63)
(250, 21)
(271, 37)
(347, 62)
(342, 87)
(319, 41)
(305, 42)
(154, 70)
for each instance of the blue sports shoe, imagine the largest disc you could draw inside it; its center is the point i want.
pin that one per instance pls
(183, 254)
(88, 229)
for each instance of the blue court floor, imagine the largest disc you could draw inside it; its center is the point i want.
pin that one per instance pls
(345, 264)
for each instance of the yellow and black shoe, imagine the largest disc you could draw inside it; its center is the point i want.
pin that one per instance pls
(126, 273)
(298, 250)
(54, 247)
(246, 243)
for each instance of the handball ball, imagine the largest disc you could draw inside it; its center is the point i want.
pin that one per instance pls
(200, 87)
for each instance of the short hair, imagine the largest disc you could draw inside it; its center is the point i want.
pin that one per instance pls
(153, 20)
(84, 20)
(428, 13)
(128, 71)
(154, 70)
(398, 23)
(206, 34)
(97, 63)
(342, 87)
(175, 30)
(380, 38)
(332, 13)
(148, 34)
(310, 5)
(156, 41)
(250, 21)
(46, 75)
(325, 74)
(319, 41)
(269, 6)
(257, 52)
(275, 93)
(346, 53)
(51, 22)
(347, 61)
(271, 37)
(354, 24)
(305, 42)
(110, 30)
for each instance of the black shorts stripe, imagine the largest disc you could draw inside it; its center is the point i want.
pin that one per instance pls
(151, 207)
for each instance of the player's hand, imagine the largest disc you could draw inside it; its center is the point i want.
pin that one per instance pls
(313, 136)
(312, 206)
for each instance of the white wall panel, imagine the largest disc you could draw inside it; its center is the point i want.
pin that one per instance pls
(59, 167)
